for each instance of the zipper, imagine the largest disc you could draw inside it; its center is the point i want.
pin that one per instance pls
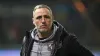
(53, 52)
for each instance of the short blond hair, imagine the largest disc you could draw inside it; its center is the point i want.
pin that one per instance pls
(42, 6)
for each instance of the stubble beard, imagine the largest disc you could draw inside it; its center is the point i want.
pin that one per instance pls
(43, 30)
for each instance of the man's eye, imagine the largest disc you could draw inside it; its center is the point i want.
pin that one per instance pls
(46, 16)
(39, 17)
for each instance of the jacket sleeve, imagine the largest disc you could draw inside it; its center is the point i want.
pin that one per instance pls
(75, 49)
(22, 52)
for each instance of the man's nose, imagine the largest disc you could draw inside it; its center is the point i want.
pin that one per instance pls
(43, 19)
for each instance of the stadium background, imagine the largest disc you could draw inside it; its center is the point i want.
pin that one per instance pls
(80, 17)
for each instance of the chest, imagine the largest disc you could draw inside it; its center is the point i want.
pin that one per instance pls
(41, 49)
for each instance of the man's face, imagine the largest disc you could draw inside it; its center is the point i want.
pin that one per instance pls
(42, 19)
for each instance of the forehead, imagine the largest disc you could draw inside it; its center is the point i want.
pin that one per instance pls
(41, 11)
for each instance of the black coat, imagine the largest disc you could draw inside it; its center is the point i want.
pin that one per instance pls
(65, 44)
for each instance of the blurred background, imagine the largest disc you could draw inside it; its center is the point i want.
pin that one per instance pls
(80, 17)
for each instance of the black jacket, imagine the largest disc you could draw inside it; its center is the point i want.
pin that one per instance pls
(65, 44)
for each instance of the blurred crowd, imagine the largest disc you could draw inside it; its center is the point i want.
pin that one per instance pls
(80, 17)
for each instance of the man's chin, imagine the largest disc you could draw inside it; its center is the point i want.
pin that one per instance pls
(43, 30)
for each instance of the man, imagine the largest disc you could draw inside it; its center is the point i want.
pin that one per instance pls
(49, 38)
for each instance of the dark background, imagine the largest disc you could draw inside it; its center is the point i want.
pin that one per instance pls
(80, 17)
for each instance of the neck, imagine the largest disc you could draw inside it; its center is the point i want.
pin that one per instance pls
(45, 34)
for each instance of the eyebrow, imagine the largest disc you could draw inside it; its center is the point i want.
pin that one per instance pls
(45, 16)
(38, 17)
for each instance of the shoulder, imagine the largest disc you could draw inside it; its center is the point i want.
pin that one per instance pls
(69, 38)
(72, 36)
(27, 35)
(67, 35)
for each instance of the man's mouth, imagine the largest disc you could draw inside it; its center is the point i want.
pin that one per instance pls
(43, 26)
